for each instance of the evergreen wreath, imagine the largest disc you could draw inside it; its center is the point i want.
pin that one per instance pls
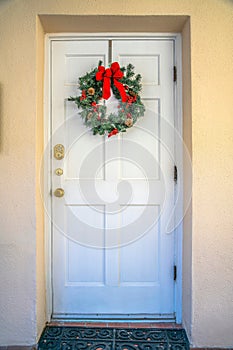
(96, 87)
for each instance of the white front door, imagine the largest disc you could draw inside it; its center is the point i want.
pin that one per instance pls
(111, 253)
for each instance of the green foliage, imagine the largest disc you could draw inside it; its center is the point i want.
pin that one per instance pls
(94, 114)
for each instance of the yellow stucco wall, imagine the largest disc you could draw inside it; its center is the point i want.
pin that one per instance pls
(22, 284)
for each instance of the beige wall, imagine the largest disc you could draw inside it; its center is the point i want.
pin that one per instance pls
(208, 305)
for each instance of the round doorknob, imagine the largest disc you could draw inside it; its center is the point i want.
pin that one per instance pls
(59, 192)
(59, 172)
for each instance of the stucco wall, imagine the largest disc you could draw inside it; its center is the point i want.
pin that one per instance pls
(209, 319)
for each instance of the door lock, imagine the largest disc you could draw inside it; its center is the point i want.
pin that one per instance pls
(59, 192)
(59, 152)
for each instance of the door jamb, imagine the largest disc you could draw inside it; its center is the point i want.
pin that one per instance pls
(47, 162)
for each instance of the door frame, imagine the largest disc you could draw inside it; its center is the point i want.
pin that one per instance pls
(178, 153)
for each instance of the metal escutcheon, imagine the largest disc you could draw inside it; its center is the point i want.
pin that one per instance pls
(59, 192)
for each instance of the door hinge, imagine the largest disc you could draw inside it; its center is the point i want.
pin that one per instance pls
(174, 272)
(174, 74)
(175, 174)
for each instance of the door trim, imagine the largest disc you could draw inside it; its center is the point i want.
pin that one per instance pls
(178, 120)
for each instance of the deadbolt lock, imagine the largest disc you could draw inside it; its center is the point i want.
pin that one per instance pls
(59, 192)
(59, 151)
(59, 172)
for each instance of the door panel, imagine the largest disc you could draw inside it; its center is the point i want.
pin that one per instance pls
(111, 253)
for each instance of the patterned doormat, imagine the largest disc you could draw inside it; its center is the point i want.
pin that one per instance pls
(84, 338)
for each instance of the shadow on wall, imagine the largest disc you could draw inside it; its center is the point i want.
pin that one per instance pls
(4, 4)
(1, 114)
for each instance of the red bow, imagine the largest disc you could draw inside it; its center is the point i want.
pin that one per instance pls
(106, 75)
(113, 132)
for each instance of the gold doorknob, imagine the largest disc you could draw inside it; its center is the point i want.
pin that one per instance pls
(59, 192)
(59, 172)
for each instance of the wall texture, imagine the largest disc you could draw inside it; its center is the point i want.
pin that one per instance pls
(22, 308)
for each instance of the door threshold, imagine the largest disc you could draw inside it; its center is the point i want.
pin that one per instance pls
(118, 324)
(116, 320)
(169, 317)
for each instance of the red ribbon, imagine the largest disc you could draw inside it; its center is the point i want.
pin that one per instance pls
(113, 132)
(116, 74)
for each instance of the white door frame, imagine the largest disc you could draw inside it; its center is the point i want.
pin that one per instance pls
(178, 116)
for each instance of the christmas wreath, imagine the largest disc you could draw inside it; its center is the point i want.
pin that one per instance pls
(96, 87)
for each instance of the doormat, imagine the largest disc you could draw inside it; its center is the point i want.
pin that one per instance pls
(84, 338)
